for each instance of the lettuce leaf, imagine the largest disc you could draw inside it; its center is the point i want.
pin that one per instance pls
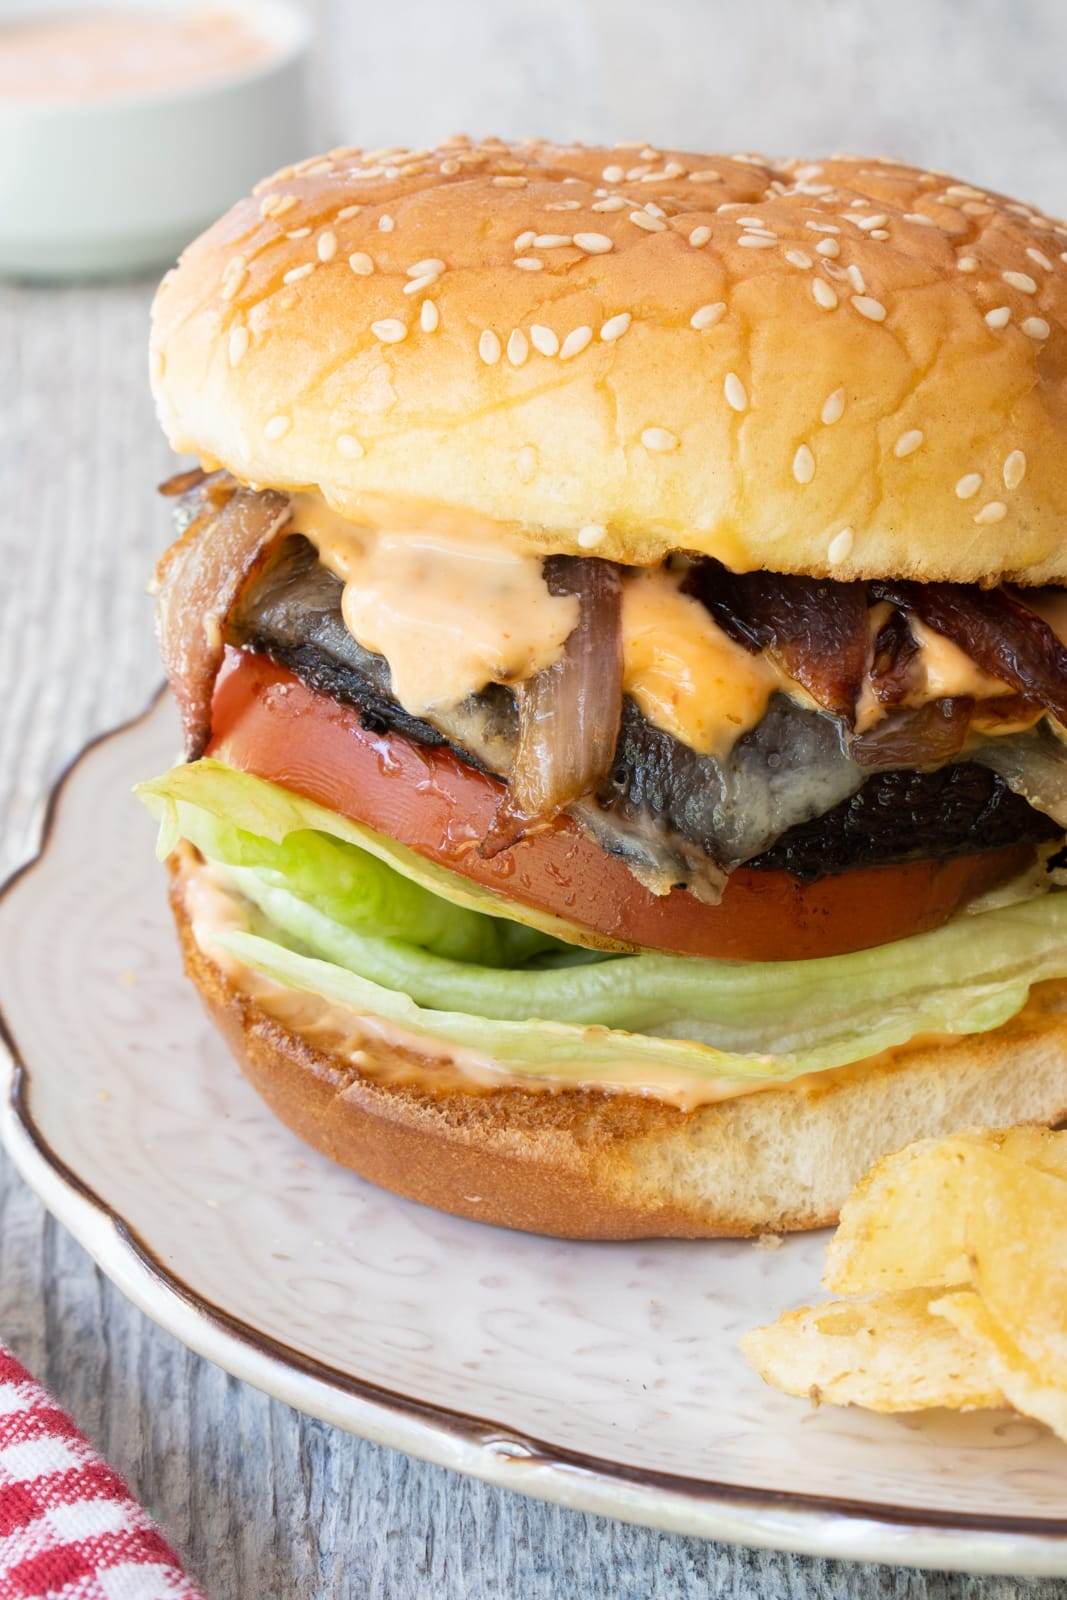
(355, 876)
(334, 919)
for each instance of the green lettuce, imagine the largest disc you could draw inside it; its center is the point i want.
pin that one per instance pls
(385, 948)
(353, 875)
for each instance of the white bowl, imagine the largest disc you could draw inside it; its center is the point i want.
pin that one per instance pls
(120, 183)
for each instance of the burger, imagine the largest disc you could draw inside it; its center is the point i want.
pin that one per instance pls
(617, 629)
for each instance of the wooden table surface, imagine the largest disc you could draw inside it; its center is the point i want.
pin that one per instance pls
(266, 1504)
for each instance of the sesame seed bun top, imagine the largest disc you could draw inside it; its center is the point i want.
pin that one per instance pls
(849, 367)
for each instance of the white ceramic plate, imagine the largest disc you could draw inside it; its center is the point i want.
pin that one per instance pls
(603, 1376)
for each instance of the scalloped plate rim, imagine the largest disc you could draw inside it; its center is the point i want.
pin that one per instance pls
(495, 1452)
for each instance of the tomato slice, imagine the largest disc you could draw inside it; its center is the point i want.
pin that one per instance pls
(266, 722)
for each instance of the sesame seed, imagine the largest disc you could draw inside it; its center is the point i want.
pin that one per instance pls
(707, 316)
(234, 275)
(529, 263)
(295, 274)
(526, 463)
(613, 202)
(879, 220)
(518, 347)
(992, 511)
(700, 236)
(855, 278)
(543, 339)
(1035, 327)
(798, 258)
(751, 222)
(823, 227)
(346, 212)
(550, 241)
(299, 233)
(361, 264)
(564, 205)
(967, 264)
(919, 217)
(525, 240)
(824, 295)
(1014, 469)
(840, 547)
(613, 174)
(705, 175)
(641, 219)
(591, 535)
(449, 168)
(968, 486)
(659, 440)
(735, 392)
(489, 347)
(873, 310)
(417, 285)
(878, 233)
(575, 342)
(429, 317)
(594, 244)
(430, 264)
(833, 407)
(1040, 257)
(386, 223)
(277, 427)
(908, 442)
(238, 343)
(1021, 281)
(999, 317)
(615, 327)
(757, 241)
(348, 445)
(326, 247)
(803, 464)
(390, 330)
(828, 247)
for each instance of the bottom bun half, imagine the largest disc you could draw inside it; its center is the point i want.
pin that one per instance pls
(585, 1164)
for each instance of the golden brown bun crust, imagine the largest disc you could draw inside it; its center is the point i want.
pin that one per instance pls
(948, 459)
(596, 1166)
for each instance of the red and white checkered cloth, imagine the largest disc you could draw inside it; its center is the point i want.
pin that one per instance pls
(69, 1527)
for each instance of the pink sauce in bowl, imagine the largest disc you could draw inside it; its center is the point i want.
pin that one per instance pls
(101, 53)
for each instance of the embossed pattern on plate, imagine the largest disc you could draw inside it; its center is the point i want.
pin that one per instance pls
(604, 1376)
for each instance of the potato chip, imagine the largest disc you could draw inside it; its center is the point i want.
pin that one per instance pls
(1017, 1243)
(968, 1232)
(1021, 1382)
(906, 1223)
(888, 1354)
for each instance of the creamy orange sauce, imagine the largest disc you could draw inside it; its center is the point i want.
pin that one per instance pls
(686, 675)
(449, 613)
(93, 54)
(946, 671)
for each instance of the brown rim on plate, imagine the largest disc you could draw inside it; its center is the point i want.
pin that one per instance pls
(497, 1439)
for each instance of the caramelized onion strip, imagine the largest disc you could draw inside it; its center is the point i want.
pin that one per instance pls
(199, 582)
(569, 713)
